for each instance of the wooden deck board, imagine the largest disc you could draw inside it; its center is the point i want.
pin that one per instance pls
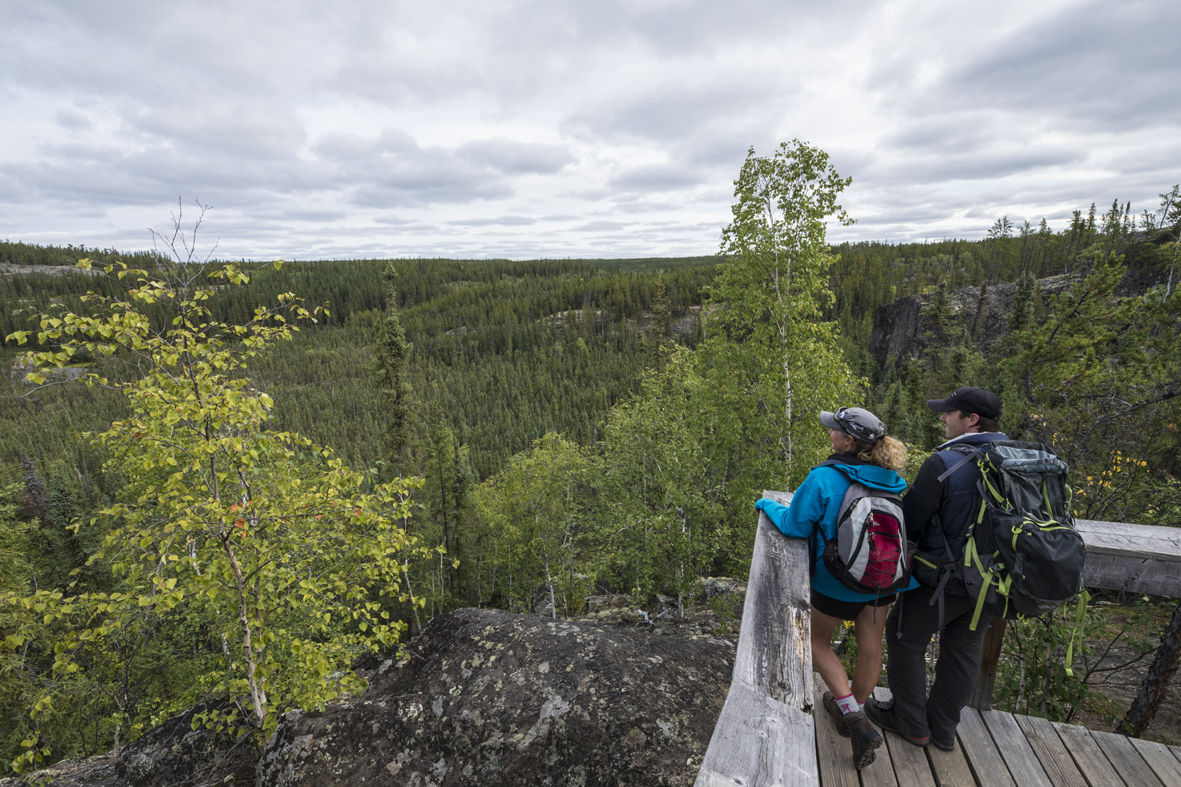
(1126, 760)
(1088, 757)
(911, 766)
(1015, 750)
(950, 768)
(1160, 759)
(1051, 752)
(987, 764)
(834, 754)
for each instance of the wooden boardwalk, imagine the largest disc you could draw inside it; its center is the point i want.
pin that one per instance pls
(998, 749)
(773, 731)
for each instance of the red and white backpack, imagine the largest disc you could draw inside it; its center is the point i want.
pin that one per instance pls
(869, 554)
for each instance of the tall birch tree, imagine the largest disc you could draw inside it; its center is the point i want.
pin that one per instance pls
(772, 356)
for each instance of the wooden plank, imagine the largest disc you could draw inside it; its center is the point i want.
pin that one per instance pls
(1133, 575)
(1160, 759)
(760, 742)
(1176, 752)
(951, 768)
(1051, 752)
(986, 762)
(1092, 763)
(1015, 750)
(910, 762)
(834, 754)
(1135, 558)
(1126, 760)
(1127, 540)
(766, 734)
(774, 649)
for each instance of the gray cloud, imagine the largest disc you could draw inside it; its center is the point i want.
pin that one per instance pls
(515, 158)
(503, 221)
(569, 128)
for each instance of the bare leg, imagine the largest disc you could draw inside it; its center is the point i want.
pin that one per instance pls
(868, 629)
(824, 659)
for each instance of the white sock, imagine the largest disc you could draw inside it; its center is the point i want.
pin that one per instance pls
(847, 704)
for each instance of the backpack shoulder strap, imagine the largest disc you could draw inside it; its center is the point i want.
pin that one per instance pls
(968, 455)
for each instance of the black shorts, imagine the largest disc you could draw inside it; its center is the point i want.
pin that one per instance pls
(846, 610)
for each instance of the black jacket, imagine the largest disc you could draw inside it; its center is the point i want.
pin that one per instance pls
(954, 499)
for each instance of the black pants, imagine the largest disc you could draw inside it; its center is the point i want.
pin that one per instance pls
(955, 671)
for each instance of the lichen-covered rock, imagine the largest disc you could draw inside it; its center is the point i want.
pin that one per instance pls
(175, 753)
(494, 698)
(91, 772)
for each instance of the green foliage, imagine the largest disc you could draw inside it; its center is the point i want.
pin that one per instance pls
(1100, 380)
(1032, 676)
(282, 550)
(660, 518)
(615, 461)
(771, 359)
(532, 515)
(391, 365)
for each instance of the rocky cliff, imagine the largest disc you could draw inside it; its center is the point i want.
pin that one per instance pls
(898, 327)
(483, 698)
(493, 698)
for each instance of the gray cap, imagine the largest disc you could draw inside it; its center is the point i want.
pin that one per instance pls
(854, 421)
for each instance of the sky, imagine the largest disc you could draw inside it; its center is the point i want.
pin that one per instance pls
(529, 128)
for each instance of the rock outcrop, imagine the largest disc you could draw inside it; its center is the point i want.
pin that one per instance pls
(174, 753)
(494, 698)
(899, 327)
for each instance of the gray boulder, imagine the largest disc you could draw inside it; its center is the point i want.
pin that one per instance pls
(495, 698)
(175, 754)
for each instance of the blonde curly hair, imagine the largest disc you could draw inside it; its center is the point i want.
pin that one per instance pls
(884, 452)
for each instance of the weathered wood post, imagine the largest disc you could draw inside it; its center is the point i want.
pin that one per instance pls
(990, 658)
(765, 734)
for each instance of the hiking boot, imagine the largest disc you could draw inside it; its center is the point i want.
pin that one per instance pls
(865, 739)
(884, 718)
(943, 746)
(840, 718)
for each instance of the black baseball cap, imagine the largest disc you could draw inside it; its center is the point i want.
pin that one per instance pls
(970, 400)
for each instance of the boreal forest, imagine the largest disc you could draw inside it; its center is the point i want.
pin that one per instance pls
(226, 478)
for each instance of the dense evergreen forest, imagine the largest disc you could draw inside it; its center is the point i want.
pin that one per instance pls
(521, 434)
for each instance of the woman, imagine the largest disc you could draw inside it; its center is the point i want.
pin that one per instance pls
(862, 453)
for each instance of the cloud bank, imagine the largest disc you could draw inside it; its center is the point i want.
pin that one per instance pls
(528, 129)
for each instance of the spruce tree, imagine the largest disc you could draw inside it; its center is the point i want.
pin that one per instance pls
(392, 378)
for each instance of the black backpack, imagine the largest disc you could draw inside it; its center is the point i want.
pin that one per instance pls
(1021, 555)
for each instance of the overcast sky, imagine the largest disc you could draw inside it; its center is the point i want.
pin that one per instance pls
(566, 129)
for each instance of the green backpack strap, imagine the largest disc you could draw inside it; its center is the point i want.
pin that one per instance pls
(1080, 615)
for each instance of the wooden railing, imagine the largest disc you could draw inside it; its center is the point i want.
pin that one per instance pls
(766, 735)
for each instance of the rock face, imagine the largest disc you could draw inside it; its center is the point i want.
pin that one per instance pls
(494, 698)
(175, 753)
(171, 754)
(898, 327)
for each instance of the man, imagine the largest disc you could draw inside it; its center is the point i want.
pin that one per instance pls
(938, 508)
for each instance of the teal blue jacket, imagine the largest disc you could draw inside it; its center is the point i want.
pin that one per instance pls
(815, 506)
